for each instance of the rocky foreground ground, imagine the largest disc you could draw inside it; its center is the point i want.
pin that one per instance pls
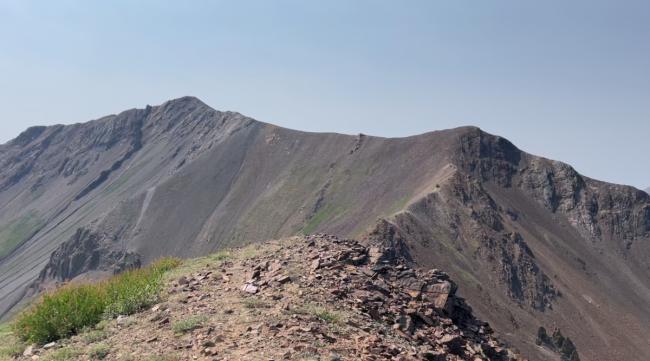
(304, 298)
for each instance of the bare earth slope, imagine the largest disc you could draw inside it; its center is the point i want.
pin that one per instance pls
(530, 241)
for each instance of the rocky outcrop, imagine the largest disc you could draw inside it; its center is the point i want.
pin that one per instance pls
(420, 305)
(87, 251)
(514, 263)
(558, 343)
(598, 210)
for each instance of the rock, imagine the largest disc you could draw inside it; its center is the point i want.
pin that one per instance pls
(453, 342)
(439, 294)
(29, 350)
(315, 264)
(433, 356)
(406, 324)
(208, 343)
(209, 351)
(276, 266)
(284, 279)
(50, 345)
(249, 288)
(183, 281)
(255, 275)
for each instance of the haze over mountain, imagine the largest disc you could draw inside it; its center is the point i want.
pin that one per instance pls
(529, 240)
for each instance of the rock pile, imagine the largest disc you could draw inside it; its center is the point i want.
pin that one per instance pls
(419, 306)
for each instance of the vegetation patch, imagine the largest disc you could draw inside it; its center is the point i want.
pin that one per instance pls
(188, 324)
(71, 308)
(63, 354)
(15, 233)
(328, 212)
(99, 351)
(10, 351)
(10, 347)
(252, 303)
(94, 336)
(220, 256)
(320, 312)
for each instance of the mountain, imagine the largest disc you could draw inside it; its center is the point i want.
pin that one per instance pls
(647, 190)
(530, 242)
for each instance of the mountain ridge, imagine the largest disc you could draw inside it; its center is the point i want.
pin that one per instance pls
(524, 236)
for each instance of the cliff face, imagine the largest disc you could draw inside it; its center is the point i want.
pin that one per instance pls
(533, 243)
(530, 241)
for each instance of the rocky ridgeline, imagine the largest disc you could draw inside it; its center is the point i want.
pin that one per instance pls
(420, 307)
(305, 298)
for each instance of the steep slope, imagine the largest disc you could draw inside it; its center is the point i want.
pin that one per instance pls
(56, 181)
(538, 245)
(531, 242)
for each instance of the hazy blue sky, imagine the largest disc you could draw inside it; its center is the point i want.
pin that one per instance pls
(569, 80)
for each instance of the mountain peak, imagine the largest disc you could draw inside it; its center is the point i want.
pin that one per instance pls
(187, 99)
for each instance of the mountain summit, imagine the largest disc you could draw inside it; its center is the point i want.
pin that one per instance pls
(530, 242)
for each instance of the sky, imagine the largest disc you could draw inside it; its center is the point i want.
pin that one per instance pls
(568, 80)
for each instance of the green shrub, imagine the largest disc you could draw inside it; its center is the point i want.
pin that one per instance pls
(71, 308)
(61, 313)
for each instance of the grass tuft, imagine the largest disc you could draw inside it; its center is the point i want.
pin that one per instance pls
(322, 313)
(220, 256)
(253, 303)
(62, 354)
(11, 351)
(71, 308)
(94, 336)
(99, 351)
(10, 347)
(188, 324)
(327, 316)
